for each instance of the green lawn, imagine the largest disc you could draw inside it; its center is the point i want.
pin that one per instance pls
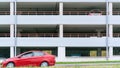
(100, 66)
(97, 66)
(87, 62)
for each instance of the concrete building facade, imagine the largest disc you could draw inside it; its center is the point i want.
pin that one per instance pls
(73, 30)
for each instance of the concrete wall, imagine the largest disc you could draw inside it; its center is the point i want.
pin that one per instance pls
(61, 19)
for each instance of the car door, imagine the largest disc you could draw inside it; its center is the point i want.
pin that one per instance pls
(38, 57)
(25, 59)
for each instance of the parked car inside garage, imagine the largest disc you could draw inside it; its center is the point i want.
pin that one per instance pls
(95, 12)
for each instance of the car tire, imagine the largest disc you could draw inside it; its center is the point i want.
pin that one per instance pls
(44, 64)
(10, 65)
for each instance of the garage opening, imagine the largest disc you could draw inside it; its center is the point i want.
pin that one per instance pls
(5, 52)
(116, 51)
(85, 51)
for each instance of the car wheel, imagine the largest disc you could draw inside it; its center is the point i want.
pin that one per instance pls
(10, 65)
(44, 64)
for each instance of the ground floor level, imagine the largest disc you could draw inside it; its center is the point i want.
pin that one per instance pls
(68, 53)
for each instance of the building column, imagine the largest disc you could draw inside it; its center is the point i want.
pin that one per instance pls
(61, 8)
(12, 13)
(110, 30)
(19, 32)
(61, 30)
(110, 8)
(11, 8)
(18, 51)
(110, 51)
(99, 51)
(99, 32)
(12, 30)
(61, 53)
(11, 51)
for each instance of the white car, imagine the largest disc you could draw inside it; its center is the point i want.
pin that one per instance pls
(95, 12)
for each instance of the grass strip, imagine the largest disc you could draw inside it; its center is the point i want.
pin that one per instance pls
(87, 62)
(95, 66)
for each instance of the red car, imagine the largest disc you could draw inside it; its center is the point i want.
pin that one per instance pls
(30, 58)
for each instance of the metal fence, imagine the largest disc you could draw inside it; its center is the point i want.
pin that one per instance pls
(57, 35)
(55, 13)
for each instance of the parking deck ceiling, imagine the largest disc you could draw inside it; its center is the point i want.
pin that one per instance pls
(36, 5)
(67, 28)
(84, 5)
(66, 5)
(116, 5)
(55, 4)
(4, 5)
(84, 28)
(38, 28)
(4, 28)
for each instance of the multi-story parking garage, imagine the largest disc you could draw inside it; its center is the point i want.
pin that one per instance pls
(73, 30)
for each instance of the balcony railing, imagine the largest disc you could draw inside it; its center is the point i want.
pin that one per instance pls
(80, 12)
(116, 12)
(116, 35)
(4, 12)
(37, 12)
(37, 35)
(84, 35)
(4, 34)
(89, 35)
(57, 35)
(55, 12)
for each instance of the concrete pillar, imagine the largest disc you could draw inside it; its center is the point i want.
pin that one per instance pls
(99, 52)
(12, 51)
(11, 8)
(12, 30)
(61, 53)
(61, 30)
(19, 32)
(99, 32)
(110, 30)
(110, 51)
(18, 51)
(110, 8)
(60, 8)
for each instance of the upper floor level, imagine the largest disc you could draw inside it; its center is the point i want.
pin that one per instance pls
(56, 31)
(59, 0)
(58, 8)
(56, 35)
